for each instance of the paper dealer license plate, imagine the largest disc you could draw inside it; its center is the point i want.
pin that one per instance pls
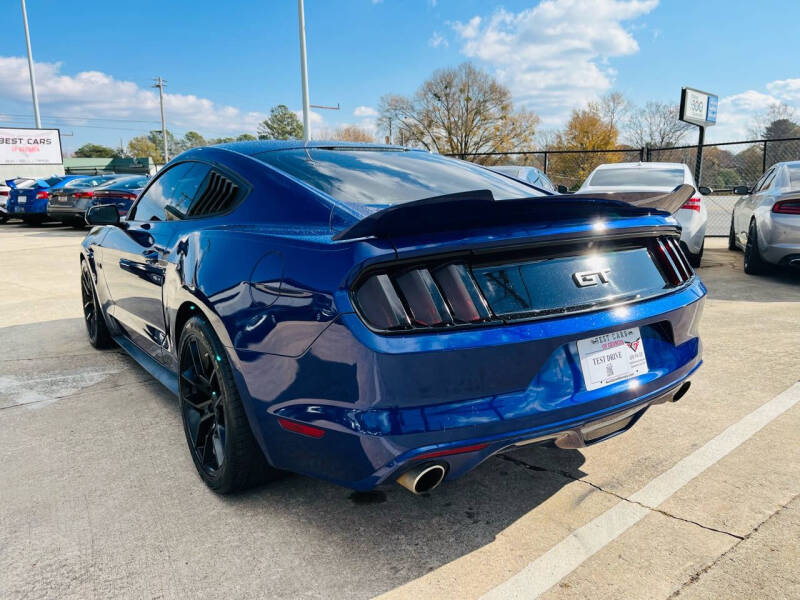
(612, 357)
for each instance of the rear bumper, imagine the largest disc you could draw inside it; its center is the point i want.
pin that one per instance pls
(383, 401)
(65, 212)
(779, 238)
(693, 228)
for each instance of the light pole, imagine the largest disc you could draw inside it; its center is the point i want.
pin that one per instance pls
(304, 72)
(30, 69)
(160, 83)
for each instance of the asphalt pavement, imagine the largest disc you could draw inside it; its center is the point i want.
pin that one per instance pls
(99, 497)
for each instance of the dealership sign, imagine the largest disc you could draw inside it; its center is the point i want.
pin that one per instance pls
(698, 108)
(30, 147)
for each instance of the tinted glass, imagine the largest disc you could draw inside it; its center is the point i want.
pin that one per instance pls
(637, 177)
(794, 176)
(92, 181)
(175, 187)
(53, 180)
(768, 181)
(126, 183)
(765, 180)
(381, 178)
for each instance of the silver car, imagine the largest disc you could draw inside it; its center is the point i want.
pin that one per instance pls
(766, 220)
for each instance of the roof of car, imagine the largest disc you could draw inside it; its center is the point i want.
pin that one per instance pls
(642, 165)
(257, 147)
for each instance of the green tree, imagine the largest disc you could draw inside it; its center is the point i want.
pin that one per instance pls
(143, 147)
(96, 151)
(282, 124)
(246, 137)
(192, 139)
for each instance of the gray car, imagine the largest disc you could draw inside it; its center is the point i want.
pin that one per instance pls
(766, 220)
(69, 204)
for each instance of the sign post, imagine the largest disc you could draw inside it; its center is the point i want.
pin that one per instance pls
(698, 108)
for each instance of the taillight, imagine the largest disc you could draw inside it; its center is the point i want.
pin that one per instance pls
(787, 207)
(42, 195)
(692, 204)
(421, 298)
(88, 194)
(380, 304)
(425, 303)
(3, 193)
(672, 260)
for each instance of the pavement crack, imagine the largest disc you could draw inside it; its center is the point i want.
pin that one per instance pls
(599, 488)
(696, 576)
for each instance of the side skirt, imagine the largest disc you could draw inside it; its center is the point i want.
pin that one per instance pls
(166, 377)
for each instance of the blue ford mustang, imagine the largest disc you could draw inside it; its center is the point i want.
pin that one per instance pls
(366, 313)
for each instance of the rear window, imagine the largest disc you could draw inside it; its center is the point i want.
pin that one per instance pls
(53, 180)
(637, 177)
(91, 181)
(127, 184)
(381, 178)
(794, 176)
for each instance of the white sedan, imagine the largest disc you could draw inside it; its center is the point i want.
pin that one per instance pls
(658, 177)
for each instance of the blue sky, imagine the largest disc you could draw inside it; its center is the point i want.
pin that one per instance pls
(227, 63)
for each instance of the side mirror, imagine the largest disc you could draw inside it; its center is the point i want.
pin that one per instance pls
(103, 214)
(705, 190)
(741, 190)
(562, 189)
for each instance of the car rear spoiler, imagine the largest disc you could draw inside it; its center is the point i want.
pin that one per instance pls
(469, 210)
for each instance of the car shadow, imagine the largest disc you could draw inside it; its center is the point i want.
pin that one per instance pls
(339, 543)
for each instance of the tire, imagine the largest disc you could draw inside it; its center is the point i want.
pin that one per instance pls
(732, 238)
(222, 445)
(96, 327)
(753, 263)
(695, 259)
(76, 223)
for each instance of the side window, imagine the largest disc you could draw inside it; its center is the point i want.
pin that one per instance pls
(768, 182)
(761, 182)
(175, 187)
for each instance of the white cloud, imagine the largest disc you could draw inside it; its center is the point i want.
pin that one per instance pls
(97, 95)
(555, 55)
(437, 40)
(736, 114)
(365, 111)
(787, 90)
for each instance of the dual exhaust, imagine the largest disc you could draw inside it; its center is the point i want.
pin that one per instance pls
(423, 478)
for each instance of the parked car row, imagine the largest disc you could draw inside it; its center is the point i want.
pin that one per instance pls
(66, 198)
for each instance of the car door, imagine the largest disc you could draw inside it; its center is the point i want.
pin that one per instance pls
(744, 209)
(135, 257)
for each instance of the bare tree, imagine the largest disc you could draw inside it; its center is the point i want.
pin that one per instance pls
(612, 108)
(461, 110)
(655, 124)
(352, 133)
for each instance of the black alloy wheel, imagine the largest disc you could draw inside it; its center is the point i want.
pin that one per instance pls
(202, 403)
(96, 327)
(218, 433)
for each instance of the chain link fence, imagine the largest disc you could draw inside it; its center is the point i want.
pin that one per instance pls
(725, 166)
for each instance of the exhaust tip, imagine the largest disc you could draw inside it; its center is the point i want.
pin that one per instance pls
(682, 391)
(422, 478)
